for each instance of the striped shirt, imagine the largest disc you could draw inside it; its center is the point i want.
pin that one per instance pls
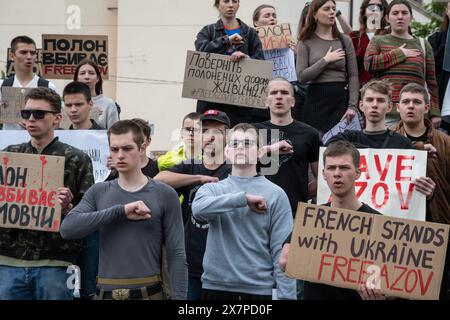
(386, 60)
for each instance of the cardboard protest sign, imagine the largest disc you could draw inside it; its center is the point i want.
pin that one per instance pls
(215, 78)
(62, 53)
(341, 127)
(37, 68)
(345, 248)
(387, 182)
(283, 63)
(275, 37)
(28, 191)
(93, 142)
(12, 101)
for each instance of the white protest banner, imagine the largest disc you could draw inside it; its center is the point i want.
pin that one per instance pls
(344, 248)
(28, 191)
(215, 78)
(62, 53)
(341, 127)
(275, 36)
(387, 182)
(93, 142)
(283, 63)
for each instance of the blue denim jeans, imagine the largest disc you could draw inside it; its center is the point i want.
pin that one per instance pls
(88, 263)
(41, 283)
(194, 288)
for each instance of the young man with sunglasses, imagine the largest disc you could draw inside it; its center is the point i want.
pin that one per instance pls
(249, 218)
(187, 178)
(24, 54)
(33, 264)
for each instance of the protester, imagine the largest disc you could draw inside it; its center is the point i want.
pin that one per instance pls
(399, 58)
(326, 61)
(78, 105)
(88, 72)
(249, 218)
(34, 264)
(187, 178)
(413, 107)
(230, 36)
(135, 216)
(191, 144)
(372, 21)
(341, 170)
(23, 54)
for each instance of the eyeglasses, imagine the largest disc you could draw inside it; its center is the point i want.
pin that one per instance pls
(37, 114)
(247, 143)
(191, 130)
(375, 7)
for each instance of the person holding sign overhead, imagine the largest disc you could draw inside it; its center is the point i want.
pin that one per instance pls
(229, 36)
(23, 53)
(341, 170)
(89, 73)
(33, 264)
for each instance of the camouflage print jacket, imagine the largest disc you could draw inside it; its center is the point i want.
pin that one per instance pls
(39, 245)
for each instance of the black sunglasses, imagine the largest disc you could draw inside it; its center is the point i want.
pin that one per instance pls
(37, 114)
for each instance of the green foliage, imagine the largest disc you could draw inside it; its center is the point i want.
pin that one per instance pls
(423, 30)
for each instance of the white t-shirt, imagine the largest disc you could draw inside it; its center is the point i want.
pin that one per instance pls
(32, 84)
(370, 35)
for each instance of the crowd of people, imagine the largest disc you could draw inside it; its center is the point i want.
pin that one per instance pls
(212, 218)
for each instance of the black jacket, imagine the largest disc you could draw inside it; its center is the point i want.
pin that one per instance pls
(213, 39)
(437, 41)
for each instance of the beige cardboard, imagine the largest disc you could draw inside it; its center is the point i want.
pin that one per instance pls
(215, 78)
(28, 191)
(59, 61)
(275, 37)
(12, 101)
(332, 262)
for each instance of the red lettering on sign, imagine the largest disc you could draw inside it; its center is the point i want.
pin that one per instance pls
(382, 172)
(363, 166)
(374, 194)
(401, 167)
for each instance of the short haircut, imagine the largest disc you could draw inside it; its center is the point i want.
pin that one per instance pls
(45, 94)
(398, 2)
(145, 126)
(291, 88)
(257, 12)
(341, 148)
(415, 88)
(192, 116)
(77, 87)
(125, 126)
(21, 39)
(244, 127)
(216, 3)
(380, 86)
(99, 84)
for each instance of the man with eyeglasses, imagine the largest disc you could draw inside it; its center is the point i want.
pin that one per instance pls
(33, 264)
(23, 53)
(187, 178)
(190, 147)
(248, 217)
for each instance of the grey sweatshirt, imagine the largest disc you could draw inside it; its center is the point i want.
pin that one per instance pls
(243, 247)
(109, 111)
(132, 249)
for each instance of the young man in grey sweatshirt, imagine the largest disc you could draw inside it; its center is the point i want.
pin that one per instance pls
(249, 218)
(135, 216)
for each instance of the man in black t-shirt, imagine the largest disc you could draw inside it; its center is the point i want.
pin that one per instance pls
(291, 147)
(187, 177)
(375, 104)
(341, 170)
